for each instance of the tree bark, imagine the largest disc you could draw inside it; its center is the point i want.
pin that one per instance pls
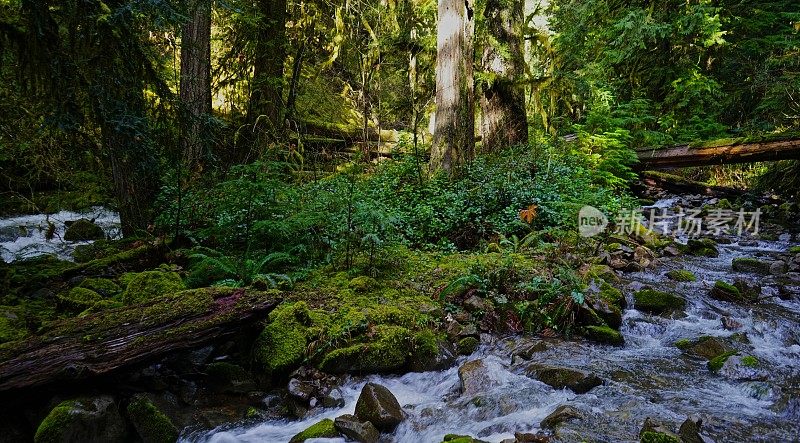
(267, 96)
(503, 119)
(195, 87)
(722, 153)
(454, 131)
(81, 348)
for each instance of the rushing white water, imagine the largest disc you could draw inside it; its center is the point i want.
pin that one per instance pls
(26, 236)
(647, 377)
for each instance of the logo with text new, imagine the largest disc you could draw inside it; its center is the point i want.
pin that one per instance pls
(591, 221)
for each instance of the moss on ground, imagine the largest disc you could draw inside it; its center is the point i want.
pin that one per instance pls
(148, 285)
(78, 299)
(103, 286)
(12, 324)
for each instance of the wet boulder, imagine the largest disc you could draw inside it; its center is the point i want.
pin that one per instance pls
(604, 335)
(704, 247)
(727, 292)
(468, 345)
(83, 230)
(431, 353)
(377, 405)
(561, 414)
(681, 275)
(475, 377)
(689, 431)
(579, 382)
(742, 368)
(150, 423)
(92, 419)
(322, 429)
(354, 429)
(704, 347)
(654, 432)
(751, 265)
(658, 302)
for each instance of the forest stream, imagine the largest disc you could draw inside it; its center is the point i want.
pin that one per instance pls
(753, 397)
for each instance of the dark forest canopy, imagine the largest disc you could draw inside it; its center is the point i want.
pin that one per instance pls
(144, 94)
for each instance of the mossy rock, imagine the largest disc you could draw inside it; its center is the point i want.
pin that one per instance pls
(704, 347)
(751, 265)
(102, 305)
(681, 275)
(604, 334)
(12, 324)
(95, 419)
(658, 302)
(388, 351)
(724, 291)
(148, 285)
(78, 299)
(468, 345)
(716, 363)
(103, 286)
(150, 423)
(101, 249)
(750, 361)
(704, 247)
(658, 437)
(321, 429)
(282, 344)
(455, 438)
(601, 272)
(794, 250)
(83, 230)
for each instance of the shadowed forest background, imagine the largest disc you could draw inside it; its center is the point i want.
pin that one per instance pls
(350, 187)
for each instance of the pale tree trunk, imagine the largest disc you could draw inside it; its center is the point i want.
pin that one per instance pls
(503, 119)
(267, 97)
(195, 89)
(454, 132)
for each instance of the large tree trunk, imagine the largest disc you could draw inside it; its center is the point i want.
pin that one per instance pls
(81, 348)
(454, 132)
(267, 97)
(196, 81)
(503, 119)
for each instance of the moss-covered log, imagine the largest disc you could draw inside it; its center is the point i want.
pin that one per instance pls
(98, 344)
(721, 152)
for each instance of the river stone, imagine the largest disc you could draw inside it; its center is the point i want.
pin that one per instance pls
(378, 405)
(689, 431)
(579, 382)
(474, 376)
(94, 419)
(560, 415)
(83, 230)
(654, 432)
(444, 358)
(300, 390)
(705, 347)
(323, 429)
(743, 368)
(730, 324)
(353, 428)
(751, 265)
(657, 302)
(778, 268)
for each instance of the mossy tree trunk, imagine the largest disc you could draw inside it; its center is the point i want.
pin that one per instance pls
(266, 103)
(454, 132)
(195, 87)
(503, 119)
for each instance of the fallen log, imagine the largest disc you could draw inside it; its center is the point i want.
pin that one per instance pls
(99, 344)
(719, 152)
(680, 185)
